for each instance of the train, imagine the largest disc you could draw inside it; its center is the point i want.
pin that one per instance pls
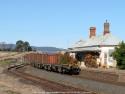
(60, 63)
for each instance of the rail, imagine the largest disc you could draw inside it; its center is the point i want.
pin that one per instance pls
(53, 87)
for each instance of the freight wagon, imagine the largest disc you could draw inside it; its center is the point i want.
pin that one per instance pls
(53, 62)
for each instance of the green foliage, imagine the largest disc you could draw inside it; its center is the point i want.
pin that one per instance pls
(19, 45)
(2, 63)
(12, 92)
(67, 59)
(64, 59)
(119, 55)
(22, 46)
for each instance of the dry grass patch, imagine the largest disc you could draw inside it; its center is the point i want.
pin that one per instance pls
(11, 92)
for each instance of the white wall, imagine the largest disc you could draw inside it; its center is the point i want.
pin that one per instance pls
(105, 58)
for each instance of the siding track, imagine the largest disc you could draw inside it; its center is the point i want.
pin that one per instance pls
(49, 86)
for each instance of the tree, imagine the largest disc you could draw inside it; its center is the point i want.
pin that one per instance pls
(26, 45)
(119, 55)
(29, 48)
(19, 45)
(22, 46)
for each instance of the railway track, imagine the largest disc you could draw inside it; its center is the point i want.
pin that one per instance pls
(49, 86)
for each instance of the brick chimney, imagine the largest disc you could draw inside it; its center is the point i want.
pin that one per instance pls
(106, 28)
(92, 32)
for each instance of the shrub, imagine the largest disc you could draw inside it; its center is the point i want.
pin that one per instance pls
(67, 59)
(119, 55)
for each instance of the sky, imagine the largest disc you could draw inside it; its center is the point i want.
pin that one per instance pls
(58, 23)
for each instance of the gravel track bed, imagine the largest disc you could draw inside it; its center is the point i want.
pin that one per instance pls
(50, 86)
(89, 85)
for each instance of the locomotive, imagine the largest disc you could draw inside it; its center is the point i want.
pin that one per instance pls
(61, 63)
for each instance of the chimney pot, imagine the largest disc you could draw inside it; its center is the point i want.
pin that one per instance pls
(106, 28)
(92, 32)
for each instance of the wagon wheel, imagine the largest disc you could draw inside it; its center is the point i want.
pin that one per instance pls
(49, 68)
(60, 69)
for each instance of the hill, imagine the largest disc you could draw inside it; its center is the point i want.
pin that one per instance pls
(4, 46)
(47, 49)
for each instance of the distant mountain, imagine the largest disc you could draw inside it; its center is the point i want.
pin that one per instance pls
(7, 46)
(41, 49)
(47, 49)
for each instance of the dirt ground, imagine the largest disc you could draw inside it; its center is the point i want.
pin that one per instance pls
(10, 84)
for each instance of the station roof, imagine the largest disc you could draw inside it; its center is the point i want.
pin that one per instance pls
(93, 43)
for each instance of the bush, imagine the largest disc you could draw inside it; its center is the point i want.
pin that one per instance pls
(67, 59)
(119, 55)
(90, 61)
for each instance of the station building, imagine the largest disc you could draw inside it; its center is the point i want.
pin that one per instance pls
(100, 46)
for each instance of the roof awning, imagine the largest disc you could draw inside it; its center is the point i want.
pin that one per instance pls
(91, 49)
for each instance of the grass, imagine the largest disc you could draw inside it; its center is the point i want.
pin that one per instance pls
(7, 62)
(11, 92)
